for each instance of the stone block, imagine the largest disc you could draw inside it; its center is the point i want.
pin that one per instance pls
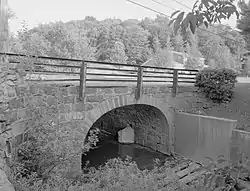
(19, 139)
(94, 98)
(80, 115)
(79, 106)
(50, 90)
(121, 90)
(74, 116)
(51, 100)
(111, 103)
(87, 107)
(33, 90)
(21, 91)
(65, 108)
(121, 98)
(116, 101)
(11, 93)
(140, 141)
(151, 133)
(163, 149)
(125, 100)
(21, 113)
(106, 105)
(102, 108)
(130, 99)
(73, 90)
(69, 99)
(150, 145)
(106, 90)
(69, 116)
(91, 116)
(63, 91)
(62, 118)
(11, 116)
(16, 103)
(91, 91)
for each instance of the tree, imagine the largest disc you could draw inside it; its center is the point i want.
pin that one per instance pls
(137, 44)
(191, 44)
(220, 49)
(177, 42)
(158, 31)
(204, 12)
(54, 39)
(163, 58)
(118, 54)
(234, 40)
(244, 22)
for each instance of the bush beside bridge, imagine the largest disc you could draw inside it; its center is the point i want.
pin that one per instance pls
(217, 84)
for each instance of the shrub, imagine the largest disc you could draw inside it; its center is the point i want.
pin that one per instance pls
(119, 174)
(216, 84)
(46, 157)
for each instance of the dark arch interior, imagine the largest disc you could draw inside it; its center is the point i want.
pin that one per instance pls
(142, 118)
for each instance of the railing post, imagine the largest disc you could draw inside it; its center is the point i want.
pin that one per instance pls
(175, 82)
(139, 83)
(82, 81)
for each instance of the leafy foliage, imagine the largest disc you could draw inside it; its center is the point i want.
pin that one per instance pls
(51, 150)
(216, 84)
(130, 41)
(125, 175)
(163, 58)
(220, 52)
(204, 12)
(243, 22)
(224, 176)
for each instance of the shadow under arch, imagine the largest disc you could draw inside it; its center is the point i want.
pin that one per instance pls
(151, 128)
(115, 102)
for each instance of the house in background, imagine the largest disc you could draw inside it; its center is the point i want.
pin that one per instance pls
(179, 61)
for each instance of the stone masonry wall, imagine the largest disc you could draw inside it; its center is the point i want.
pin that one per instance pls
(10, 77)
(72, 111)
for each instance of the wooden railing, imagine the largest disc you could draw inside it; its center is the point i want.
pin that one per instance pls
(94, 73)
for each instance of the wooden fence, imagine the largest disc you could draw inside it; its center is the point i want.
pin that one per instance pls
(88, 73)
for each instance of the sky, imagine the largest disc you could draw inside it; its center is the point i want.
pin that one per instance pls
(34, 12)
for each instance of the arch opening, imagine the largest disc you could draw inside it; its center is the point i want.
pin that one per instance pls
(151, 135)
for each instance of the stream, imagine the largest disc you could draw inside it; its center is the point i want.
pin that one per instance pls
(144, 157)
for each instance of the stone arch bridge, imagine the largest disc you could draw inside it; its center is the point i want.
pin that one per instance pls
(82, 105)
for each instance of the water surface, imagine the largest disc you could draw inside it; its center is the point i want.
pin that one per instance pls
(144, 157)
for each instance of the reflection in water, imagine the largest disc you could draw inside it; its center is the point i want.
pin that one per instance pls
(144, 157)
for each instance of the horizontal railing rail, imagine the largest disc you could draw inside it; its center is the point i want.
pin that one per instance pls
(52, 69)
